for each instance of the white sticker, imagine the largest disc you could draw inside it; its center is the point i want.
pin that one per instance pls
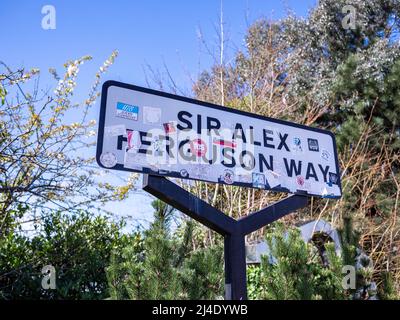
(245, 178)
(133, 141)
(151, 115)
(228, 176)
(325, 155)
(134, 161)
(272, 178)
(200, 171)
(113, 131)
(108, 159)
(289, 183)
(243, 175)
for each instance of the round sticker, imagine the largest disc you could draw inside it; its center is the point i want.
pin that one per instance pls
(198, 147)
(228, 176)
(184, 173)
(325, 155)
(108, 159)
(297, 145)
(300, 181)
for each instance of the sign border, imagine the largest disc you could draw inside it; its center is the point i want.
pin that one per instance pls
(100, 137)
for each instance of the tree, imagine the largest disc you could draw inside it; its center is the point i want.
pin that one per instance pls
(78, 246)
(293, 271)
(161, 264)
(315, 71)
(43, 164)
(146, 270)
(202, 274)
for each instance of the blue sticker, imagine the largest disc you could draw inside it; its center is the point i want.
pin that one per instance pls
(297, 144)
(333, 178)
(127, 111)
(258, 180)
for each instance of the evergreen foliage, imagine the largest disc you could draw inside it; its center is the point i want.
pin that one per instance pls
(292, 270)
(78, 247)
(309, 70)
(160, 265)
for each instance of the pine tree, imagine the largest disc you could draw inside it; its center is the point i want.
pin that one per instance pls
(292, 272)
(388, 291)
(202, 274)
(161, 264)
(146, 270)
(352, 255)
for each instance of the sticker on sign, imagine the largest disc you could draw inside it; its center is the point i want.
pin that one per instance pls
(153, 132)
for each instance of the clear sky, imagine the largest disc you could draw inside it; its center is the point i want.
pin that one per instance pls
(144, 32)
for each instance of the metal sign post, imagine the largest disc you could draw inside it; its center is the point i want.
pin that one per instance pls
(165, 135)
(234, 231)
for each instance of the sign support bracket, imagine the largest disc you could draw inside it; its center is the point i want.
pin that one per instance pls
(234, 231)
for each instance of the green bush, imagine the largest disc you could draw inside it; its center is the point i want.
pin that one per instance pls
(292, 271)
(78, 247)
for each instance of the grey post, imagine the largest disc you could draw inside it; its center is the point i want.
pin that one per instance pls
(234, 231)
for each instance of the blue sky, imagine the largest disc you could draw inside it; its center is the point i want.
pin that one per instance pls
(144, 32)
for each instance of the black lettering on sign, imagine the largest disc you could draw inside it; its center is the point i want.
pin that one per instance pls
(170, 145)
(181, 117)
(198, 124)
(263, 162)
(227, 153)
(248, 165)
(183, 144)
(293, 168)
(256, 143)
(283, 141)
(311, 172)
(324, 172)
(143, 136)
(239, 133)
(267, 138)
(213, 123)
(213, 155)
(121, 139)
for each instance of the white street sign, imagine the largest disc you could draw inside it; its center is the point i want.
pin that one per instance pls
(152, 132)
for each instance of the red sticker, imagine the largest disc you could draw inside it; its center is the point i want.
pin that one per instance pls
(198, 147)
(133, 139)
(169, 127)
(300, 181)
(225, 143)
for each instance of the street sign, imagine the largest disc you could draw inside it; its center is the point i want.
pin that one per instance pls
(156, 133)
